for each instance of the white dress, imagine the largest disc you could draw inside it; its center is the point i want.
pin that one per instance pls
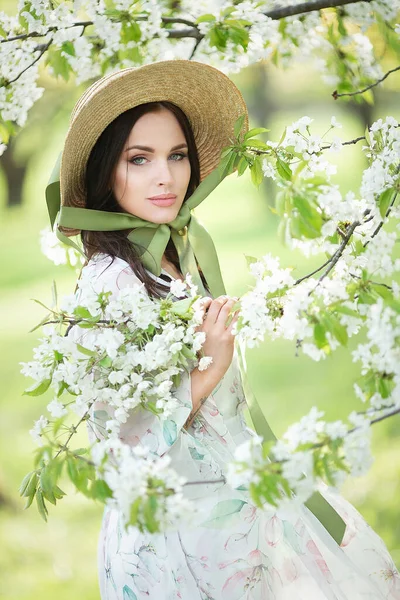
(237, 551)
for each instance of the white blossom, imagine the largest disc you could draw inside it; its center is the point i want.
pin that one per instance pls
(205, 362)
(36, 431)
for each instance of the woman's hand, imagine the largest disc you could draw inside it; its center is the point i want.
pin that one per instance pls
(219, 342)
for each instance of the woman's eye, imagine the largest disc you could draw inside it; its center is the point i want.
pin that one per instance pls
(135, 160)
(140, 160)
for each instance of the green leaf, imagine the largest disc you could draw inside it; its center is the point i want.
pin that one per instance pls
(238, 125)
(82, 312)
(255, 144)
(384, 293)
(80, 451)
(28, 484)
(208, 18)
(54, 293)
(59, 63)
(365, 297)
(319, 336)
(225, 162)
(58, 493)
(282, 136)
(308, 212)
(72, 470)
(41, 304)
(43, 453)
(284, 169)
(149, 512)
(338, 330)
(69, 48)
(100, 490)
(242, 166)
(86, 351)
(384, 201)
(345, 310)
(280, 203)
(38, 388)
(134, 511)
(181, 307)
(341, 28)
(255, 131)
(4, 133)
(41, 505)
(47, 480)
(30, 500)
(85, 325)
(250, 259)
(106, 362)
(256, 171)
(130, 32)
(218, 37)
(328, 471)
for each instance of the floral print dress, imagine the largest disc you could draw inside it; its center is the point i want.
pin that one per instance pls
(236, 551)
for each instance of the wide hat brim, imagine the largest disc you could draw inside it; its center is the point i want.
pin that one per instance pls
(210, 100)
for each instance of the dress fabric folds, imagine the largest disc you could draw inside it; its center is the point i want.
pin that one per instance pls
(236, 551)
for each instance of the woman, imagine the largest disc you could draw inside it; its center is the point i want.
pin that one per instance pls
(139, 144)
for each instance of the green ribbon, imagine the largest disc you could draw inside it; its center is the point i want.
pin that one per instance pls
(191, 239)
(193, 243)
(317, 504)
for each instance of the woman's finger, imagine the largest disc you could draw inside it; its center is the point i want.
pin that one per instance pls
(215, 308)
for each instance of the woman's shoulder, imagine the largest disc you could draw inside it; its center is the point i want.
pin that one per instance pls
(111, 272)
(115, 272)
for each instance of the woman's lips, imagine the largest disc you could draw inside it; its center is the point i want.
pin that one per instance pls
(163, 201)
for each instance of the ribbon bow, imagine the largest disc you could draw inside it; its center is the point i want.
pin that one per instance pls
(193, 243)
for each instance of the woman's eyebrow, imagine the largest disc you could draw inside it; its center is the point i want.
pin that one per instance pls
(148, 149)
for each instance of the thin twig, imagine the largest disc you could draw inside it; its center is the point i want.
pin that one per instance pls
(334, 258)
(43, 50)
(382, 222)
(369, 87)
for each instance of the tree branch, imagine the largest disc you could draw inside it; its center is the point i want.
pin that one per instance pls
(41, 52)
(289, 11)
(369, 87)
(193, 32)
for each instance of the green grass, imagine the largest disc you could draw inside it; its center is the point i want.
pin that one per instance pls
(58, 559)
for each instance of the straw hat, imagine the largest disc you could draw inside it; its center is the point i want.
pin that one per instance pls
(210, 100)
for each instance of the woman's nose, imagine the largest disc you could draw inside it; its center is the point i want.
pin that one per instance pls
(164, 174)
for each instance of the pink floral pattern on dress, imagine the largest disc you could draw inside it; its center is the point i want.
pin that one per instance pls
(237, 552)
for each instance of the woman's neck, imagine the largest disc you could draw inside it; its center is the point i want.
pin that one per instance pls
(170, 268)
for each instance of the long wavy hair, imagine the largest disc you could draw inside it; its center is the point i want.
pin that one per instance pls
(99, 195)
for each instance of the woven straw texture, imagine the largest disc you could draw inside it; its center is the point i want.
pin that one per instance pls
(210, 100)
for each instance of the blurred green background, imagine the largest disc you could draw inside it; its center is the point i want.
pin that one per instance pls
(58, 559)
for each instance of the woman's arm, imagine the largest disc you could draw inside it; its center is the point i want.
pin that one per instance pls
(203, 383)
(219, 345)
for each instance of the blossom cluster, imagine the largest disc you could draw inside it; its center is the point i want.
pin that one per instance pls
(130, 352)
(86, 39)
(147, 492)
(309, 451)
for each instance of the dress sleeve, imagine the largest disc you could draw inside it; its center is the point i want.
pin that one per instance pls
(142, 427)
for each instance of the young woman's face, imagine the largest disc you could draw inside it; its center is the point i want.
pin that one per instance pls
(154, 163)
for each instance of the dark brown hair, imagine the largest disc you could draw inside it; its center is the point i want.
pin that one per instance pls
(99, 195)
